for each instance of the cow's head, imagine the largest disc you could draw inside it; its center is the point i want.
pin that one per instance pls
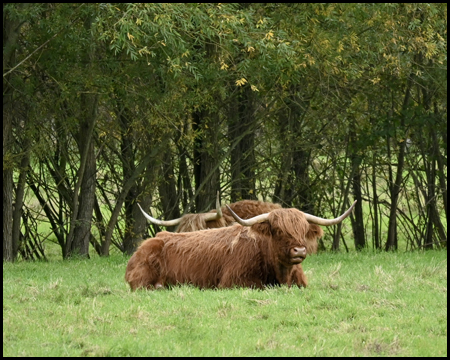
(291, 231)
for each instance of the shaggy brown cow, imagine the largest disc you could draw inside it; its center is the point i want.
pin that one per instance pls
(260, 253)
(222, 217)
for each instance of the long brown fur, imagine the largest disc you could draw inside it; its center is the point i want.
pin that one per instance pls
(254, 256)
(195, 222)
(245, 209)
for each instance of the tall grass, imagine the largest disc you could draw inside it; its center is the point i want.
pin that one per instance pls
(357, 304)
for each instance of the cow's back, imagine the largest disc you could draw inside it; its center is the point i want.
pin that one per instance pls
(210, 257)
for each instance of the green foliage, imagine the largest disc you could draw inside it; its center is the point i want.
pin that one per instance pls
(336, 89)
(359, 304)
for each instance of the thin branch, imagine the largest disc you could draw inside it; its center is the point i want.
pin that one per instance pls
(11, 70)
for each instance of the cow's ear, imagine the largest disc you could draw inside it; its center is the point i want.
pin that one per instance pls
(314, 232)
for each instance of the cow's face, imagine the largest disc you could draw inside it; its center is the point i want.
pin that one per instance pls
(291, 233)
(287, 249)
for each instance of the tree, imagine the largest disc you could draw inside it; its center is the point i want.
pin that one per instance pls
(310, 105)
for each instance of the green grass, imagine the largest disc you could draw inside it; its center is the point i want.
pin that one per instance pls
(357, 304)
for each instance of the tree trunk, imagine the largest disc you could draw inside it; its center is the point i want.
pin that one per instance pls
(441, 179)
(127, 185)
(11, 30)
(293, 187)
(184, 176)
(167, 190)
(206, 159)
(137, 223)
(391, 242)
(344, 207)
(241, 134)
(358, 222)
(20, 191)
(247, 126)
(128, 160)
(86, 197)
(8, 254)
(375, 225)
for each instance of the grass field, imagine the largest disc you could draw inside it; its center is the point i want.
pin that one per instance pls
(357, 304)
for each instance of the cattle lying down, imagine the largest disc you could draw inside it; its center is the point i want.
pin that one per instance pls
(222, 217)
(255, 253)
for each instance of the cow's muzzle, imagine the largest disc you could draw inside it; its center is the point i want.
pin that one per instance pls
(298, 254)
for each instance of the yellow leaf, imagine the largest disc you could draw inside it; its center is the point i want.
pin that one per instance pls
(254, 88)
(269, 35)
(130, 37)
(241, 82)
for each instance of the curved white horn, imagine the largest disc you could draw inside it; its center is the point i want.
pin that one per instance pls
(160, 222)
(249, 222)
(310, 218)
(328, 222)
(214, 216)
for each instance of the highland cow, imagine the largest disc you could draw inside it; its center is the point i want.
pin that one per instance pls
(255, 253)
(222, 217)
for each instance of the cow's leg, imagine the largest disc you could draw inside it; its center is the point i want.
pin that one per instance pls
(298, 277)
(159, 284)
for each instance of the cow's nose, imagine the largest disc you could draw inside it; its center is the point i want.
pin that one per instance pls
(299, 251)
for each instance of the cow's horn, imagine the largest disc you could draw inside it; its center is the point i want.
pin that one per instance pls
(207, 217)
(328, 222)
(214, 216)
(310, 218)
(160, 222)
(249, 222)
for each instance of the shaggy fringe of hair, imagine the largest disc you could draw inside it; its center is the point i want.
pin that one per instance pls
(291, 226)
